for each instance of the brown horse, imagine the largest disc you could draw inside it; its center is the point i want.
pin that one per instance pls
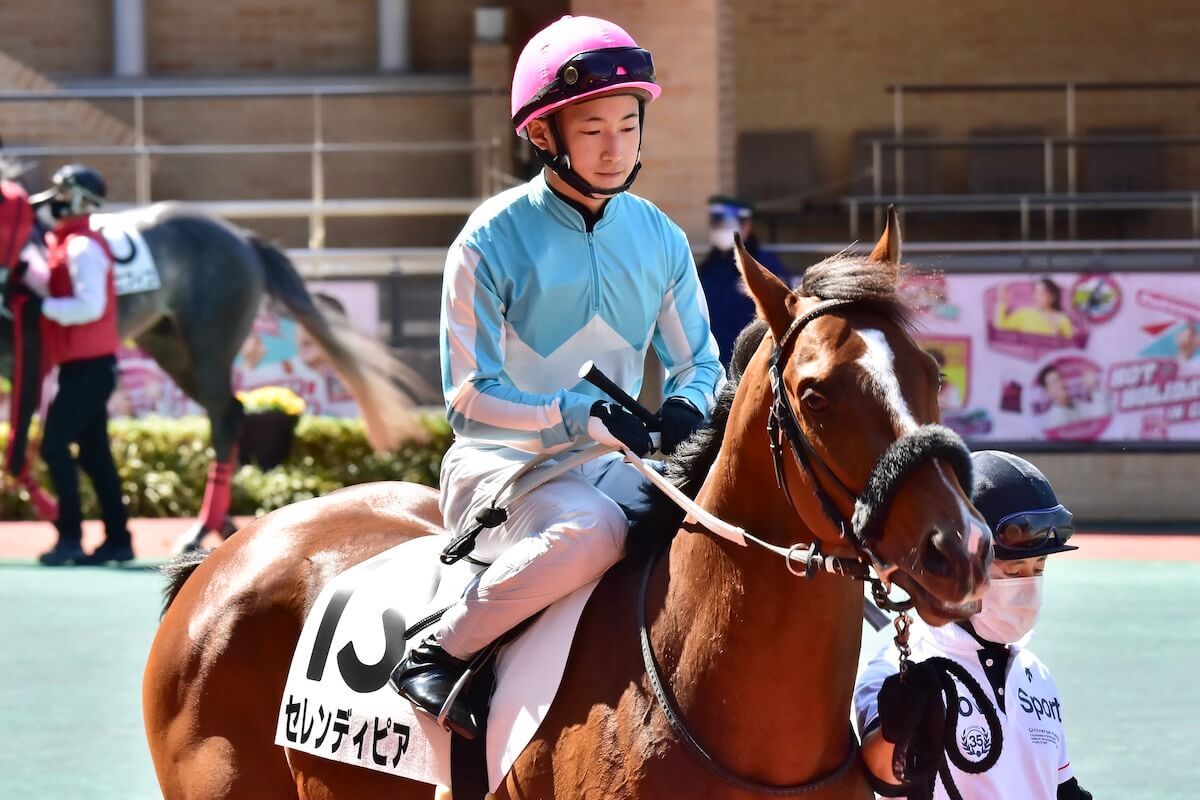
(760, 663)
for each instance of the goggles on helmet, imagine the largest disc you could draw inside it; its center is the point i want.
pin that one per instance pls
(1031, 531)
(591, 70)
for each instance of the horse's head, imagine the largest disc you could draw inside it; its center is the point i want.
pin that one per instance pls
(854, 415)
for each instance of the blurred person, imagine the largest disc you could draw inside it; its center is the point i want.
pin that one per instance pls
(1187, 340)
(1065, 408)
(79, 333)
(544, 276)
(1045, 317)
(729, 307)
(948, 394)
(901, 718)
(253, 351)
(308, 349)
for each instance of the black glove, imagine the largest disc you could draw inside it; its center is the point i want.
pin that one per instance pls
(1071, 790)
(677, 420)
(613, 425)
(912, 716)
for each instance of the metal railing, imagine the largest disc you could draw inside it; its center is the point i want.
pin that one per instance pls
(1069, 141)
(1048, 200)
(317, 207)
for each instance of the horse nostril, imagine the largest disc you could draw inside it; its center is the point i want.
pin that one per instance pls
(935, 553)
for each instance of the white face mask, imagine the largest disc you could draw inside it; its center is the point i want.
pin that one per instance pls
(1010, 609)
(722, 238)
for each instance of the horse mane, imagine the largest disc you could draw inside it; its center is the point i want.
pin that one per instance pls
(871, 286)
(655, 524)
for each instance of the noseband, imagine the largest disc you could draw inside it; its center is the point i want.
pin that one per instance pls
(902, 456)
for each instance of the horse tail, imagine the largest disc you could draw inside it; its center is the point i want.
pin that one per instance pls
(381, 385)
(177, 571)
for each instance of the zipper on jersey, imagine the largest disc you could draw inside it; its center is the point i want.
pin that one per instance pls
(595, 271)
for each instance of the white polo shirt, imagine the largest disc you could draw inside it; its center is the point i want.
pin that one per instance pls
(1033, 760)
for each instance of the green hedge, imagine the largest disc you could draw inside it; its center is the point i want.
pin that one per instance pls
(164, 463)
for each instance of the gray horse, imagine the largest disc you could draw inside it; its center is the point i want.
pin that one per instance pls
(214, 277)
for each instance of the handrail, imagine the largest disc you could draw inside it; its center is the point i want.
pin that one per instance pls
(1070, 91)
(1005, 247)
(1049, 86)
(317, 207)
(235, 91)
(1047, 200)
(1026, 140)
(357, 207)
(280, 148)
(430, 261)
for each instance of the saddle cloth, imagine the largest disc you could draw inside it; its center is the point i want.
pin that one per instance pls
(134, 265)
(338, 705)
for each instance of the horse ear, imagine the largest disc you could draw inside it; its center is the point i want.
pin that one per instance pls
(887, 250)
(775, 301)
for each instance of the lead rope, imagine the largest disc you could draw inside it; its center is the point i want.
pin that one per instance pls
(947, 671)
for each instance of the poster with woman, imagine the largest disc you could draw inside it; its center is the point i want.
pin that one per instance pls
(1068, 357)
(1027, 319)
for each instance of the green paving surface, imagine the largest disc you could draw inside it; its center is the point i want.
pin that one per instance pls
(1122, 638)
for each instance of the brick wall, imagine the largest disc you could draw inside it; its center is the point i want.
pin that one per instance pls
(795, 64)
(824, 65)
(68, 122)
(259, 36)
(185, 37)
(58, 37)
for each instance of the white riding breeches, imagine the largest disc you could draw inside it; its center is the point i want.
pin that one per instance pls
(557, 538)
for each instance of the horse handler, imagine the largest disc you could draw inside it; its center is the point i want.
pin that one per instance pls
(77, 293)
(902, 718)
(565, 268)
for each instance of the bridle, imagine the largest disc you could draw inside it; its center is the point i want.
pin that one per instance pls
(902, 456)
(862, 531)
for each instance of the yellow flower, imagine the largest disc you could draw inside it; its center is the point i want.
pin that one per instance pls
(272, 398)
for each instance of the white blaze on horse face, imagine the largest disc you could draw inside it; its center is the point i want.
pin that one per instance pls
(879, 363)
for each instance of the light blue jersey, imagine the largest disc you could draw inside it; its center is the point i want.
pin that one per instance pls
(529, 294)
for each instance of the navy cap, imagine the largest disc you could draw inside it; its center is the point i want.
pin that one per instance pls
(730, 207)
(1018, 503)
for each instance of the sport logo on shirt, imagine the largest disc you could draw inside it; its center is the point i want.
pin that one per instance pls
(975, 742)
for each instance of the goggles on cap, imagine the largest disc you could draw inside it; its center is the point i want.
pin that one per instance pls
(1030, 531)
(720, 214)
(591, 70)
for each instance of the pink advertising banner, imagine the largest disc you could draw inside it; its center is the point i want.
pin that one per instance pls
(278, 352)
(1065, 356)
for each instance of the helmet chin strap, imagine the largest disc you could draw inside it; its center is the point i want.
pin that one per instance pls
(561, 164)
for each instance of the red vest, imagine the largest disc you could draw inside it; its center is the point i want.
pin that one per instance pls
(63, 343)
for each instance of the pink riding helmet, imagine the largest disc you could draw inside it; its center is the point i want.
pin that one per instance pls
(574, 58)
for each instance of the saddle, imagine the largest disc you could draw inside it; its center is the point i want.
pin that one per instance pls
(337, 703)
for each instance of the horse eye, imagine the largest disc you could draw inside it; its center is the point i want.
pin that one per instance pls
(814, 400)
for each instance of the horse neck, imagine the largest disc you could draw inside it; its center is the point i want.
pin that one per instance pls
(762, 662)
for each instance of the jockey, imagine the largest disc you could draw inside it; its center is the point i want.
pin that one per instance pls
(565, 268)
(79, 332)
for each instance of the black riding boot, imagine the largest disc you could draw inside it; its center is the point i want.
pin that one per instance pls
(426, 677)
